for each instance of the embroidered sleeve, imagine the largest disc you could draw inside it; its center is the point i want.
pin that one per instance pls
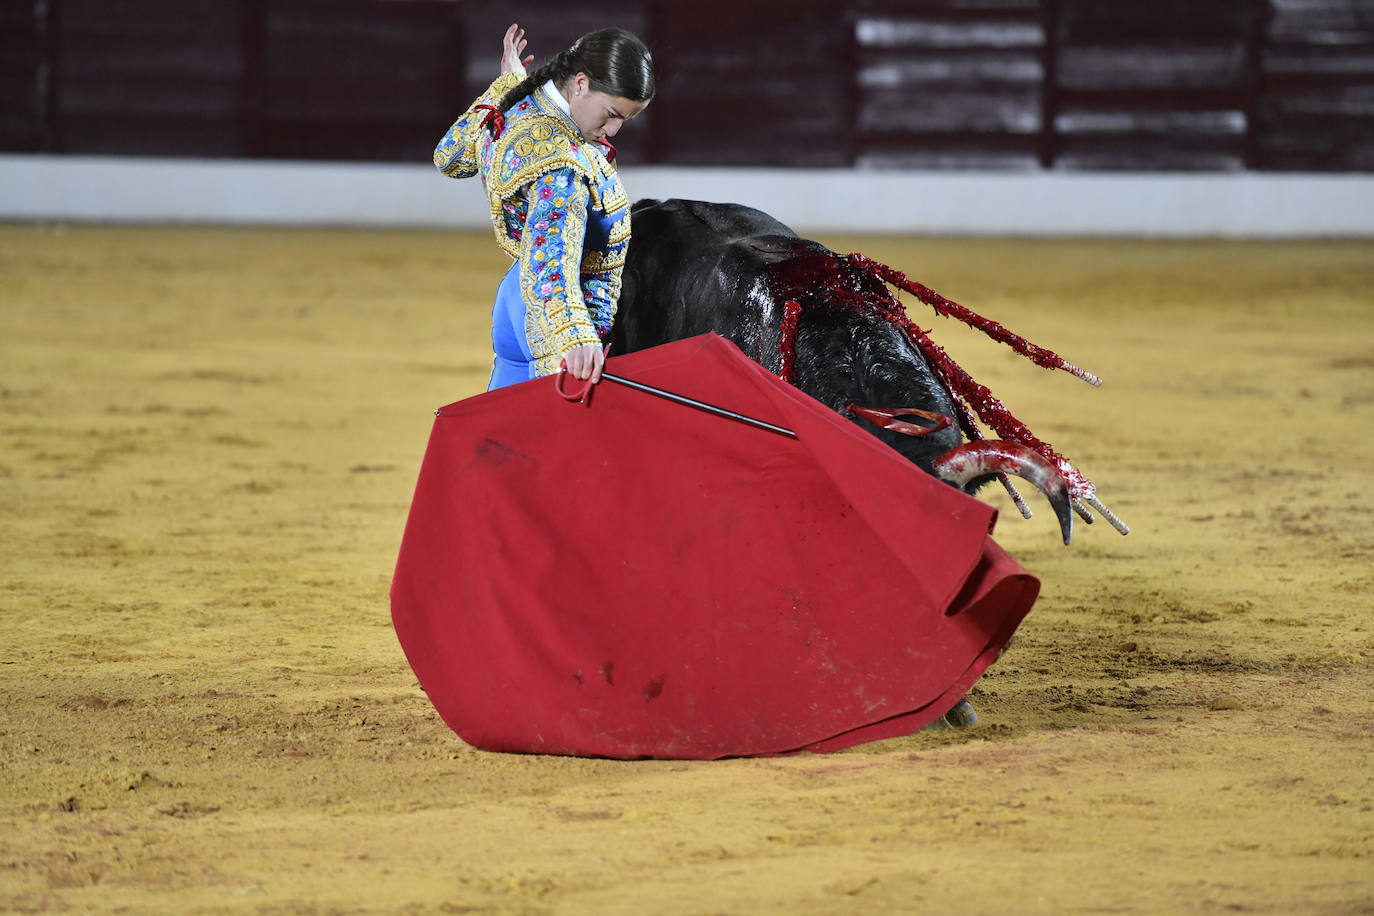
(458, 153)
(601, 292)
(556, 316)
(601, 274)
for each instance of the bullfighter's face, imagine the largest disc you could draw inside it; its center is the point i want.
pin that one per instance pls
(598, 114)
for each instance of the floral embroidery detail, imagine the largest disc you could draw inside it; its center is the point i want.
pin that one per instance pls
(556, 312)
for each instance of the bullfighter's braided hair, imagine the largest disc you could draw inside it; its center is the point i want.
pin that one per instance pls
(615, 61)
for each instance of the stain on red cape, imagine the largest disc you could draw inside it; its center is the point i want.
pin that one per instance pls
(641, 579)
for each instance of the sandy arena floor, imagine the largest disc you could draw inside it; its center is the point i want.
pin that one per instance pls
(209, 442)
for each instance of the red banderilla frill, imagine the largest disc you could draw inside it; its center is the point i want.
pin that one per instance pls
(970, 398)
(494, 121)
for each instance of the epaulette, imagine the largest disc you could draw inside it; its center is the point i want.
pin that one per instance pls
(535, 145)
(457, 155)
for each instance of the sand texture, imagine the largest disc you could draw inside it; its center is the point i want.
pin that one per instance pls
(209, 442)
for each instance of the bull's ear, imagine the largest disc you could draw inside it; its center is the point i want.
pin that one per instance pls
(891, 418)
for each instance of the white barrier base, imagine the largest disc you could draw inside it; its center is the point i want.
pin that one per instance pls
(1228, 205)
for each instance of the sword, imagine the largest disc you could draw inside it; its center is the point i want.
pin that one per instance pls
(585, 392)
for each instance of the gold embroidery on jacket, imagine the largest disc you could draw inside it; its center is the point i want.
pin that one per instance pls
(621, 230)
(601, 262)
(556, 323)
(458, 154)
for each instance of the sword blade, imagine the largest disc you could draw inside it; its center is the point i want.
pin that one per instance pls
(699, 405)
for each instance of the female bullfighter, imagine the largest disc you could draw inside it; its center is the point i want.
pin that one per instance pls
(541, 143)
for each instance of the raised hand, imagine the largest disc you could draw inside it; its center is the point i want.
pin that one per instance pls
(512, 46)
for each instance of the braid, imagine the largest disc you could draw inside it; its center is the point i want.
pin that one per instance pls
(557, 68)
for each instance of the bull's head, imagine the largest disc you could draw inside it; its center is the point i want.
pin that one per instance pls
(971, 465)
(855, 285)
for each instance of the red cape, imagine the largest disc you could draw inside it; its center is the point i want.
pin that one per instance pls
(641, 579)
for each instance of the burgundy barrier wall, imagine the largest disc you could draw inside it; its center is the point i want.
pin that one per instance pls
(1014, 84)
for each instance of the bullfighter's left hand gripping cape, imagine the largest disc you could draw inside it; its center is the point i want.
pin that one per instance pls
(557, 207)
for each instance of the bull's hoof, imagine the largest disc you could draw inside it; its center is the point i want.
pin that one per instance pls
(961, 716)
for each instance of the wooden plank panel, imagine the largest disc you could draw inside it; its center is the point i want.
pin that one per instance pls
(1177, 67)
(24, 77)
(1320, 22)
(1317, 112)
(1152, 152)
(1165, 85)
(151, 76)
(730, 98)
(357, 79)
(959, 111)
(950, 85)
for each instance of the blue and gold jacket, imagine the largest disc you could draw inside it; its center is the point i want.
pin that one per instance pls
(557, 206)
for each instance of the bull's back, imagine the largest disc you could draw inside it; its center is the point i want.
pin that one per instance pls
(696, 267)
(718, 223)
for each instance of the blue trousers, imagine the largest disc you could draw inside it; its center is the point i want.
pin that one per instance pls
(514, 362)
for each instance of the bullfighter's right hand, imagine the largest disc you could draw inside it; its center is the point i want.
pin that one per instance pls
(585, 361)
(511, 47)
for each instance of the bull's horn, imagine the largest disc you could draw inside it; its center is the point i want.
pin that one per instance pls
(972, 460)
(891, 418)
